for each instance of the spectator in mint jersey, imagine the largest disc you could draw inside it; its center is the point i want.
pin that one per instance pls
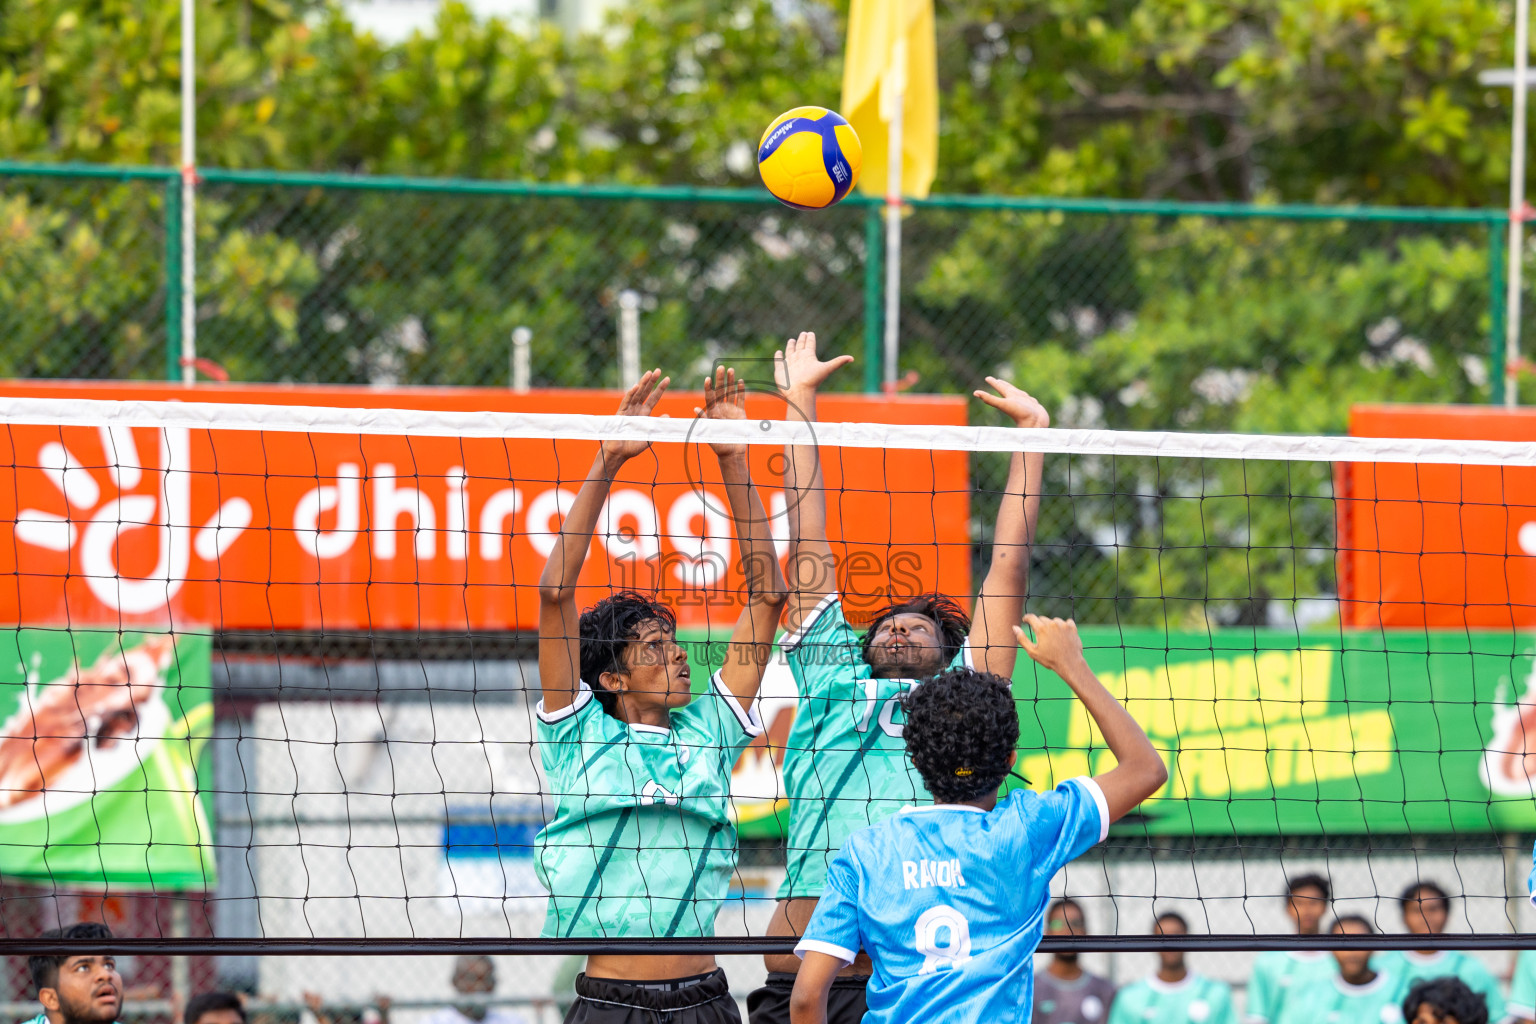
(1357, 993)
(1278, 973)
(81, 988)
(1426, 908)
(1175, 994)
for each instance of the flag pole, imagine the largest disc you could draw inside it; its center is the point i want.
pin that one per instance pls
(1516, 209)
(894, 97)
(188, 193)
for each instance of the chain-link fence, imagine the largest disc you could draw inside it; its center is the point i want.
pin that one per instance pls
(334, 279)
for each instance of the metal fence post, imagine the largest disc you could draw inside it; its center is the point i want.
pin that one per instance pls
(874, 298)
(1497, 328)
(173, 279)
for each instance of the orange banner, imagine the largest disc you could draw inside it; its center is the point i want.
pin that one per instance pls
(278, 530)
(1438, 546)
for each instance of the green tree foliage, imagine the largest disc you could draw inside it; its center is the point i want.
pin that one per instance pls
(1177, 322)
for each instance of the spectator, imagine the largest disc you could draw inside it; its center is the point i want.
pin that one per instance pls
(1279, 972)
(1173, 995)
(82, 988)
(1357, 992)
(1521, 1007)
(1426, 908)
(327, 1013)
(474, 976)
(1444, 1001)
(1064, 992)
(214, 1008)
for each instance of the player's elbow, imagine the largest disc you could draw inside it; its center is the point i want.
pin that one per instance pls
(772, 594)
(806, 1006)
(556, 591)
(1153, 775)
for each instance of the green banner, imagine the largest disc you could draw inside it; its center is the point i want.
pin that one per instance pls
(102, 744)
(1270, 731)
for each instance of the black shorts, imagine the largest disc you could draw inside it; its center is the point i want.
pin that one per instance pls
(702, 999)
(770, 1004)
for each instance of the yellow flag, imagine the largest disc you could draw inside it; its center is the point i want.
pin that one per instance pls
(891, 50)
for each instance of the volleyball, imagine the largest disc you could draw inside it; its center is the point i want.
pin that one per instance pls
(809, 158)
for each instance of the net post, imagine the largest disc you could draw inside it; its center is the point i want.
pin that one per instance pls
(1497, 327)
(173, 279)
(1516, 870)
(873, 299)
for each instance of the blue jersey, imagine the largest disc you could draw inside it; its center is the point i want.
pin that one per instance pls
(949, 901)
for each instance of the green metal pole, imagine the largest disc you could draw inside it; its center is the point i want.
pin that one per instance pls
(1497, 326)
(874, 298)
(173, 279)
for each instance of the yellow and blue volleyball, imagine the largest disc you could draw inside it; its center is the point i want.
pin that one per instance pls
(809, 158)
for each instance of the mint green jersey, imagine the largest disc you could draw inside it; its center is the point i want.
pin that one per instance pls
(1195, 1000)
(845, 764)
(641, 843)
(1522, 987)
(1452, 963)
(1277, 974)
(1335, 1001)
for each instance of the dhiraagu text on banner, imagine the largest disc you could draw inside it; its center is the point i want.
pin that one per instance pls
(102, 743)
(1264, 731)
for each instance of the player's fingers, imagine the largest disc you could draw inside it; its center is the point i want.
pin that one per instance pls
(1006, 387)
(1025, 642)
(841, 361)
(656, 393)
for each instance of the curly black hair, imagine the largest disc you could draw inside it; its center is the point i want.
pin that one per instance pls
(1447, 998)
(961, 728)
(606, 630)
(45, 968)
(954, 625)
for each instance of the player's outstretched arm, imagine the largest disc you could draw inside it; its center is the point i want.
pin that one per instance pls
(1001, 600)
(751, 645)
(812, 569)
(1140, 772)
(559, 621)
(808, 1001)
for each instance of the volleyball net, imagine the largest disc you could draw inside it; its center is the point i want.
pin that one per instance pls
(273, 673)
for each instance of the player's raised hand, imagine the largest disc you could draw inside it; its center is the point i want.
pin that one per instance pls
(1056, 644)
(725, 398)
(639, 400)
(796, 367)
(1025, 409)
